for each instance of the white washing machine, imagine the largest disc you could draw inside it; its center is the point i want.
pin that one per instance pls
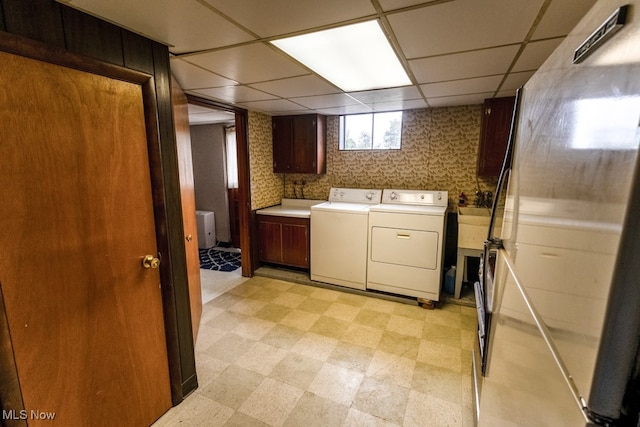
(339, 237)
(406, 242)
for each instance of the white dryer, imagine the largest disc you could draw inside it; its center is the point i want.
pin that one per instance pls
(406, 241)
(339, 237)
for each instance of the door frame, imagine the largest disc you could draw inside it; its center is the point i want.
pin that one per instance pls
(244, 176)
(10, 394)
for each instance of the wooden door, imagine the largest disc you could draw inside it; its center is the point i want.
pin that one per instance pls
(76, 214)
(304, 144)
(282, 144)
(188, 201)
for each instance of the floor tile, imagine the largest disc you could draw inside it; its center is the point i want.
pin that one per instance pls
(441, 355)
(261, 358)
(336, 383)
(373, 319)
(351, 356)
(254, 328)
(314, 305)
(380, 305)
(272, 402)
(273, 312)
(423, 410)
(315, 346)
(391, 368)
(242, 420)
(382, 399)
(296, 370)
(405, 326)
(342, 311)
(197, 410)
(315, 411)
(362, 335)
(230, 347)
(438, 382)
(271, 352)
(233, 386)
(325, 294)
(282, 336)
(299, 319)
(329, 327)
(289, 299)
(248, 306)
(356, 418)
(400, 345)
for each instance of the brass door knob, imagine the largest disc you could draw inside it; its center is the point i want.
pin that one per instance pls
(149, 261)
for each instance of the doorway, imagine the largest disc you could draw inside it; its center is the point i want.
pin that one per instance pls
(218, 192)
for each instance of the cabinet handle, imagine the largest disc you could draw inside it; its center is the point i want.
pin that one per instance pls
(487, 111)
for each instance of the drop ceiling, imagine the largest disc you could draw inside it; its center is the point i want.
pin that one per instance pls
(456, 52)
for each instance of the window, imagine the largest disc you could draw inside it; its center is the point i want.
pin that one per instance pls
(232, 157)
(374, 131)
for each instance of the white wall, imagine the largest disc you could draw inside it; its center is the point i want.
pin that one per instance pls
(209, 174)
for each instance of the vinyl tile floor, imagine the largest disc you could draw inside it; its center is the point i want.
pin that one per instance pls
(276, 353)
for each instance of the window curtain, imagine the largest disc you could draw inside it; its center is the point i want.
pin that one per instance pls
(232, 157)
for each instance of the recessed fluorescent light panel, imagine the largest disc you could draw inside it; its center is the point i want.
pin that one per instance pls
(354, 57)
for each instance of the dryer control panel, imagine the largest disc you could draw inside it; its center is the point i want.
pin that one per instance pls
(415, 197)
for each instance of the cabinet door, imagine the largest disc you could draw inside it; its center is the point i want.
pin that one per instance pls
(496, 124)
(304, 144)
(295, 245)
(270, 241)
(282, 144)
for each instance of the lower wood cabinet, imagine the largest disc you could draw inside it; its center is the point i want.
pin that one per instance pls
(283, 240)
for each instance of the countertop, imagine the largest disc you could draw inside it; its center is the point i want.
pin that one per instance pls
(294, 208)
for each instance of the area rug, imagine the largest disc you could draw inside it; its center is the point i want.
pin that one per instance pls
(213, 259)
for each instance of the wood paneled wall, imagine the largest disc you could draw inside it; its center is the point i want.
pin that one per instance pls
(62, 27)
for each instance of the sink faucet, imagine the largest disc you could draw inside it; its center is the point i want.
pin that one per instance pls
(483, 199)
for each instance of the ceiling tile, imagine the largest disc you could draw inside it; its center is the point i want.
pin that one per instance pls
(535, 53)
(297, 86)
(505, 93)
(273, 106)
(249, 64)
(345, 109)
(235, 94)
(411, 104)
(561, 17)
(388, 5)
(325, 101)
(462, 87)
(384, 95)
(463, 25)
(210, 116)
(515, 80)
(278, 17)
(459, 100)
(479, 63)
(191, 77)
(186, 26)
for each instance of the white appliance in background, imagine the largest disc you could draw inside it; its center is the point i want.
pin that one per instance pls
(339, 237)
(559, 300)
(206, 225)
(406, 242)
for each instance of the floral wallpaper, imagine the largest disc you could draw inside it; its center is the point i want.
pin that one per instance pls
(439, 152)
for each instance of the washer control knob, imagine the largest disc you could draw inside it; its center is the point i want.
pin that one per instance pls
(393, 195)
(369, 195)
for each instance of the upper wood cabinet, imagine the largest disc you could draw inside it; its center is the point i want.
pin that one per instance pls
(299, 144)
(494, 135)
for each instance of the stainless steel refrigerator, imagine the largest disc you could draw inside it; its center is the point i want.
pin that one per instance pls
(559, 299)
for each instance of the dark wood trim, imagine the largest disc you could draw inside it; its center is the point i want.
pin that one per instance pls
(10, 395)
(19, 45)
(247, 230)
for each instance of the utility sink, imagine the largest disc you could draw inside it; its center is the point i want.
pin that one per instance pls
(473, 224)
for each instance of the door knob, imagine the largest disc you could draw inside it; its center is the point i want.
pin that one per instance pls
(189, 238)
(149, 261)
